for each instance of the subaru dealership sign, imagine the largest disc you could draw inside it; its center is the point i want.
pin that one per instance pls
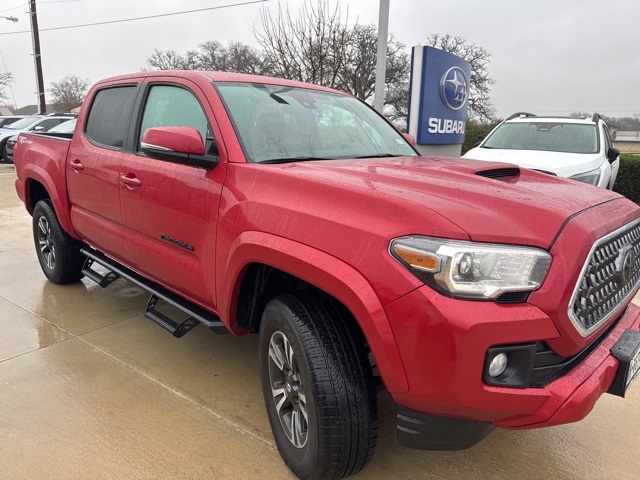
(438, 96)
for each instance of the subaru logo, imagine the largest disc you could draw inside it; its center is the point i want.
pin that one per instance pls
(454, 88)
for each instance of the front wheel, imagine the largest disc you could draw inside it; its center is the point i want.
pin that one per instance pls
(318, 386)
(59, 254)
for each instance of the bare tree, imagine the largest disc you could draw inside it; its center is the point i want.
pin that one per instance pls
(170, 60)
(68, 92)
(311, 47)
(5, 80)
(358, 74)
(318, 46)
(480, 106)
(236, 57)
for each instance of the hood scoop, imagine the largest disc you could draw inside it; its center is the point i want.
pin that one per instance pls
(497, 173)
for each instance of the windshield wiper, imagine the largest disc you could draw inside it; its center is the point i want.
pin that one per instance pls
(294, 159)
(381, 155)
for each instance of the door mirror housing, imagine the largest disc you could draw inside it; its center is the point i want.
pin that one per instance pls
(612, 154)
(410, 138)
(38, 128)
(178, 145)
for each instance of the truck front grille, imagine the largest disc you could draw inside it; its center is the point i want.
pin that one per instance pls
(609, 277)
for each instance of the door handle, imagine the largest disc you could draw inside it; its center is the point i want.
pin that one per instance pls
(76, 165)
(130, 180)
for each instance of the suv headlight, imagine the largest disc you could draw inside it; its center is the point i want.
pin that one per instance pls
(480, 271)
(591, 177)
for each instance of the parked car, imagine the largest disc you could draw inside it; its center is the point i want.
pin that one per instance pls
(579, 149)
(34, 123)
(479, 294)
(9, 119)
(62, 130)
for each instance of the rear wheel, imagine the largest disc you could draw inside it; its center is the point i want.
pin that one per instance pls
(59, 254)
(318, 386)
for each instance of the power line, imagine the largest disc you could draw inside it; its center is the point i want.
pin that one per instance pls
(22, 5)
(140, 18)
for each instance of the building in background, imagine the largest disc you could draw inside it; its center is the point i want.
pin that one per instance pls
(627, 141)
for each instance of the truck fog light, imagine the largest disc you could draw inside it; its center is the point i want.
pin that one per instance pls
(498, 365)
(509, 365)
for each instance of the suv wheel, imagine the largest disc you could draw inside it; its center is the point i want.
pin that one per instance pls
(318, 387)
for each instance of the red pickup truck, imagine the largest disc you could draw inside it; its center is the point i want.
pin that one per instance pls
(478, 294)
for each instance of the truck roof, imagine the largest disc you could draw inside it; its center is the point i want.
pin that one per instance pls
(196, 75)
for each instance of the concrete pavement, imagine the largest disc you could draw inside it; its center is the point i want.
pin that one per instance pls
(89, 388)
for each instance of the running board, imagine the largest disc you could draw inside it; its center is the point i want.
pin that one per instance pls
(195, 312)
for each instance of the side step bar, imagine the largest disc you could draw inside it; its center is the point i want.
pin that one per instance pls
(157, 291)
(176, 329)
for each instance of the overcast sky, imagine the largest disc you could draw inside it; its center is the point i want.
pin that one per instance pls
(548, 56)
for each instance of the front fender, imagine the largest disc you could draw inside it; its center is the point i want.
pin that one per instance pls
(327, 273)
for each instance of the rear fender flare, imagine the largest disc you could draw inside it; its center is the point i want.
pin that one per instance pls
(61, 205)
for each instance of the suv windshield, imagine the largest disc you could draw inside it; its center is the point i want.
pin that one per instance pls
(545, 136)
(280, 124)
(23, 123)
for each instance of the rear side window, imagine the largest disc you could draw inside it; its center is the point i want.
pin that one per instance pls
(109, 115)
(48, 124)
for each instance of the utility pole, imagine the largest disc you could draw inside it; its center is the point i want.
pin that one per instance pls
(381, 62)
(35, 37)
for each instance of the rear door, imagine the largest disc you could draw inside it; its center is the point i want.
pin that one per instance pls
(93, 168)
(170, 210)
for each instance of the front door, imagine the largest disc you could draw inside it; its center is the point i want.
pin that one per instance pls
(169, 210)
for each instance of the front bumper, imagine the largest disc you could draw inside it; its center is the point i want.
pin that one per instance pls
(443, 342)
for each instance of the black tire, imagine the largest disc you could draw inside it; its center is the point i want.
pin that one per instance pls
(59, 254)
(328, 377)
(5, 156)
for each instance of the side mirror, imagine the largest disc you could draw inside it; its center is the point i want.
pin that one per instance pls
(612, 154)
(177, 145)
(38, 128)
(410, 138)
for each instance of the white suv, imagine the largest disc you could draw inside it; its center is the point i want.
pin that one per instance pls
(577, 148)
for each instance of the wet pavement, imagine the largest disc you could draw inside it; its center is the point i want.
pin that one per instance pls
(89, 388)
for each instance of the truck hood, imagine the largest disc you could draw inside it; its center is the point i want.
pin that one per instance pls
(528, 208)
(561, 164)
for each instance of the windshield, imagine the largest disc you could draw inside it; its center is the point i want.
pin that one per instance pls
(23, 123)
(279, 124)
(545, 136)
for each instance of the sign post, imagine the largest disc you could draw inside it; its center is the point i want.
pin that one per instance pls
(438, 100)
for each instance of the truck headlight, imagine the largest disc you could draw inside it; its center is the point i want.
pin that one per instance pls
(591, 177)
(480, 271)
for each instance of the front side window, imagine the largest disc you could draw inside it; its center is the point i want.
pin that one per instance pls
(280, 124)
(608, 143)
(545, 136)
(169, 106)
